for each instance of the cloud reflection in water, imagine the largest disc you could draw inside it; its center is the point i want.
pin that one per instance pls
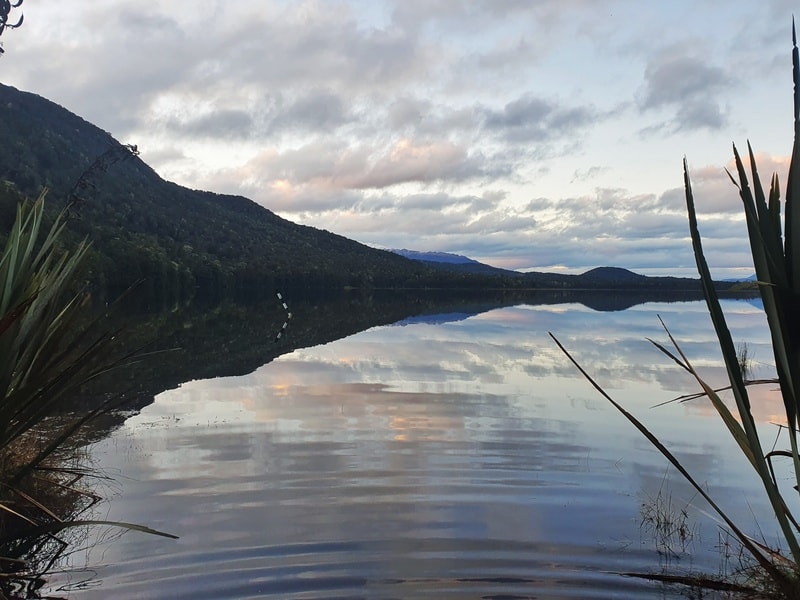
(461, 457)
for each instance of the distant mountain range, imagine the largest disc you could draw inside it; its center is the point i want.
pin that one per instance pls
(437, 257)
(752, 277)
(455, 262)
(449, 261)
(183, 242)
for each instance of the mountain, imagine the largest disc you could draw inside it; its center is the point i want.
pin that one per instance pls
(606, 278)
(436, 257)
(183, 242)
(456, 263)
(611, 275)
(752, 277)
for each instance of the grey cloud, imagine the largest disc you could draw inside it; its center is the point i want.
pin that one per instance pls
(697, 113)
(470, 16)
(319, 111)
(508, 58)
(496, 222)
(671, 80)
(718, 196)
(327, 160)
(689, 87)
(139, 24)
(225, 75)
(442, 203)
(539, 204)
(611, 252)
(412, 202)
(520, 113)
(324, 44)
(224, 124)
(112, 64)
(530, 119)
(420, 117)
(588, 173)
(433, 202)
(133, 58)
(647, 225)
(408, 113)
(484, 203)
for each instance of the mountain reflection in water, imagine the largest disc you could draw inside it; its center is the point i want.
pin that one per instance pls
(447, 458)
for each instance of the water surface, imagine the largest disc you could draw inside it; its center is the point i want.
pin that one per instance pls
(458, 456)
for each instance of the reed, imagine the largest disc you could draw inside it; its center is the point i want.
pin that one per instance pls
(775, 247)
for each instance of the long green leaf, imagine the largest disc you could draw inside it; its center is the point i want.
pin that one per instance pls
(791, 376)
(772, 277)
(734, 373)
(764, 237)
(744, 539)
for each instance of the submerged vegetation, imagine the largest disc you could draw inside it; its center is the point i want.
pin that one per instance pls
(775, 249)
(667, 523)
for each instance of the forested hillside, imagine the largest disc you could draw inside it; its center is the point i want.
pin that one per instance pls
(182, 242)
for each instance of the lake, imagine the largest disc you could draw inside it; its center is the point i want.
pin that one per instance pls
(455, 455)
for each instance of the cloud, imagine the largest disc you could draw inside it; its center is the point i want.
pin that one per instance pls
(270, 117)
(588, 173)
(217, 124)
(328, 167)
(612, 227)
(439, 202)
(688, 87)
(320, 42)
(408, 161)
(139, 55)
(316, 111)
(532, 119)
(497, 129)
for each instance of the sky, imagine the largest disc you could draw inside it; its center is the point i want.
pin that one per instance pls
(541, 135)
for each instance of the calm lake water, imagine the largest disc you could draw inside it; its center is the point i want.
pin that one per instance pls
(450, 456)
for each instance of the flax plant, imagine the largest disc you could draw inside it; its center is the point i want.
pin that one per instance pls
(775, 248)
(48, 350)
(44, 354)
